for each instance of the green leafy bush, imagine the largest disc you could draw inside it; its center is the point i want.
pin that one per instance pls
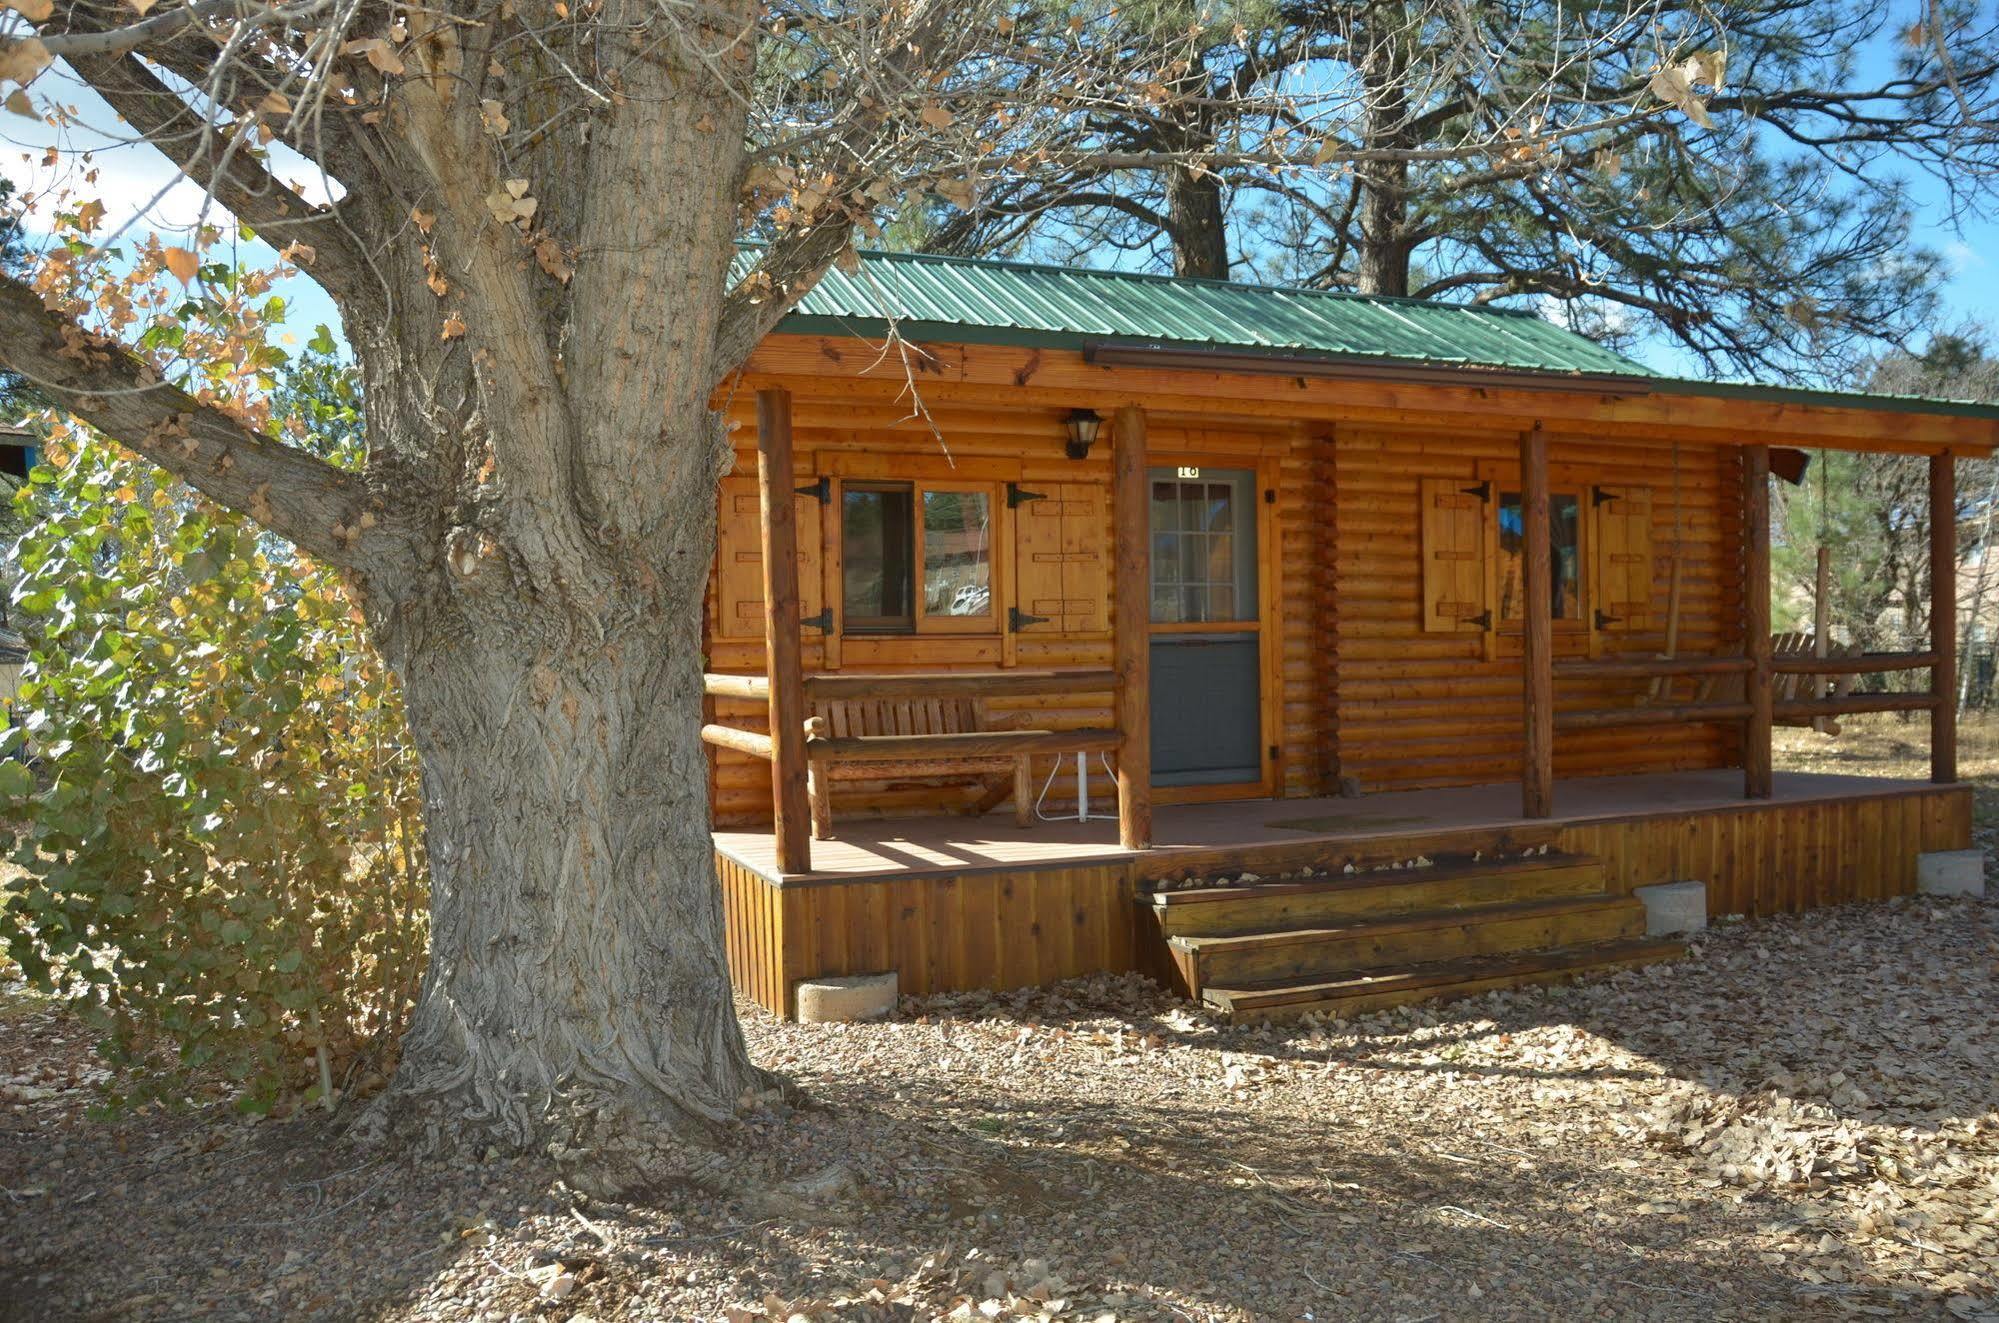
(222, 835)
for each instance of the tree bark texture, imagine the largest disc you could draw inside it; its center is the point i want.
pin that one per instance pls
(541, 311)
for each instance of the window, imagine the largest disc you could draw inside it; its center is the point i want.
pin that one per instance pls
(1201, 571)
(1472, 541)
(877, 548)
(916, 557)
(1565, 555)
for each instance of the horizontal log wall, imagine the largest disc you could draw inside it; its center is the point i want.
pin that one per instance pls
(1428, 709)
(1000, 443)
(1036, 924)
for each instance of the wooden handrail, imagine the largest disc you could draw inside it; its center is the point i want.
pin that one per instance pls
(958, 744)
(1600, 718)
(1867, 663)
(1645, 668)
(753, 742)
(1852, 703)
(849, 685)
(756, 687)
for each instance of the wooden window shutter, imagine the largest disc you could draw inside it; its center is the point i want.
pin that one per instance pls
(739, 573)
(1061, 539)
(1455, 511)
(1622, 559)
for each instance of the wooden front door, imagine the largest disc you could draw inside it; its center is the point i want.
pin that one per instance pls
(1207, 704)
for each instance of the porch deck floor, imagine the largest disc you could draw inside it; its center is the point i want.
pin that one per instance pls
(957, 843)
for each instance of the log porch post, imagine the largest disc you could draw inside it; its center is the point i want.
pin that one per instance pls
(1943, 617)
(1130, 626)
(1756, 775)
(791, 816)
(1537, 661)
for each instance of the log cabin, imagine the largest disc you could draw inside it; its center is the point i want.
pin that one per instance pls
(1326, 651)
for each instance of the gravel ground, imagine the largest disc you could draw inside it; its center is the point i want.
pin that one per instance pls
(1797, 1122)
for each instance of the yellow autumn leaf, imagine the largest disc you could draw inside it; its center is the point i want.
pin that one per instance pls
(125, 495)
(454, 326)
(32, 10)
(17, 101)
(937, 117)
(275, 103)
(182, 263)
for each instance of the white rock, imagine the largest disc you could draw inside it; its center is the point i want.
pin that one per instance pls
(1951, 873)
(1674, 907)
(836, 1000)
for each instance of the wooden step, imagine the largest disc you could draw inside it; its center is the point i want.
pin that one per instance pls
(1363, 992)
(1417, 938)
(1351, 897)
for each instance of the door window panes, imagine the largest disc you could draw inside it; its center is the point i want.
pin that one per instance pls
(877, 545)
(957, 554)
(1202, 568)
(1565, 558)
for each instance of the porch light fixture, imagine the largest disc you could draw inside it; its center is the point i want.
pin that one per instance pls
(1083, 425)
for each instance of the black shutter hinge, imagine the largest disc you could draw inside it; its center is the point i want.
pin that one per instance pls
(1017, 496)
(1017, 620)
(1273, 753)
(1606, 621)
(823, 622)
(1598, 496)
(820, 490)
(1483, 619)
(1270, 496)
(1482, 490)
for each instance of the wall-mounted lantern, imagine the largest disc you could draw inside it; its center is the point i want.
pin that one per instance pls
(1083, 425)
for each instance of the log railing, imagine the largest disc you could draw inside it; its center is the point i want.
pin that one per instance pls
(1649, 668)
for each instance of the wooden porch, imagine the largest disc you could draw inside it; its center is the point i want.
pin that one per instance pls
(959, 902)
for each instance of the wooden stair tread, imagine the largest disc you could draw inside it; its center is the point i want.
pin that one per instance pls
(1441, 975)
(1402, 923)
(1467, 868)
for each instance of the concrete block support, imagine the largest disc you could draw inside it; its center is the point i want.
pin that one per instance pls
(835, 1000)
(1674, 907)
(1951, 873)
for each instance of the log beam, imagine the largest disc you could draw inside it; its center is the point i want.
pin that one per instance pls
(1131, 645)
(791, 810)
(1943, 617)
(1756, 774)
(1537, 771)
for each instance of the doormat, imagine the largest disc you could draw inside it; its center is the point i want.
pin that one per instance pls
(1337, 822)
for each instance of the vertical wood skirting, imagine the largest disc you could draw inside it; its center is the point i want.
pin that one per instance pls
(1943, 616)
(790, 808)
(1131, 633)
(1756, 618)
(1537, 770)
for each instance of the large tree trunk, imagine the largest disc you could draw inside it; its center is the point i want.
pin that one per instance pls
(554, 690)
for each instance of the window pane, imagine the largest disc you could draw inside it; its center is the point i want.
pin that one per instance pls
(1221, 561)
(1165, 506)
(1221, 602)
(877, 543)
(1166, 558)
(1564, 520)
(1194, 557)
(1165, 603)
(1194, 604)
(957, 554)
(1221, 507)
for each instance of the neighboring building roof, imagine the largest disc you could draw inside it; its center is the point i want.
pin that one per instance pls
(984, 301)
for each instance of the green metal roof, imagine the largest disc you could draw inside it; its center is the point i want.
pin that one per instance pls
(987, 302)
